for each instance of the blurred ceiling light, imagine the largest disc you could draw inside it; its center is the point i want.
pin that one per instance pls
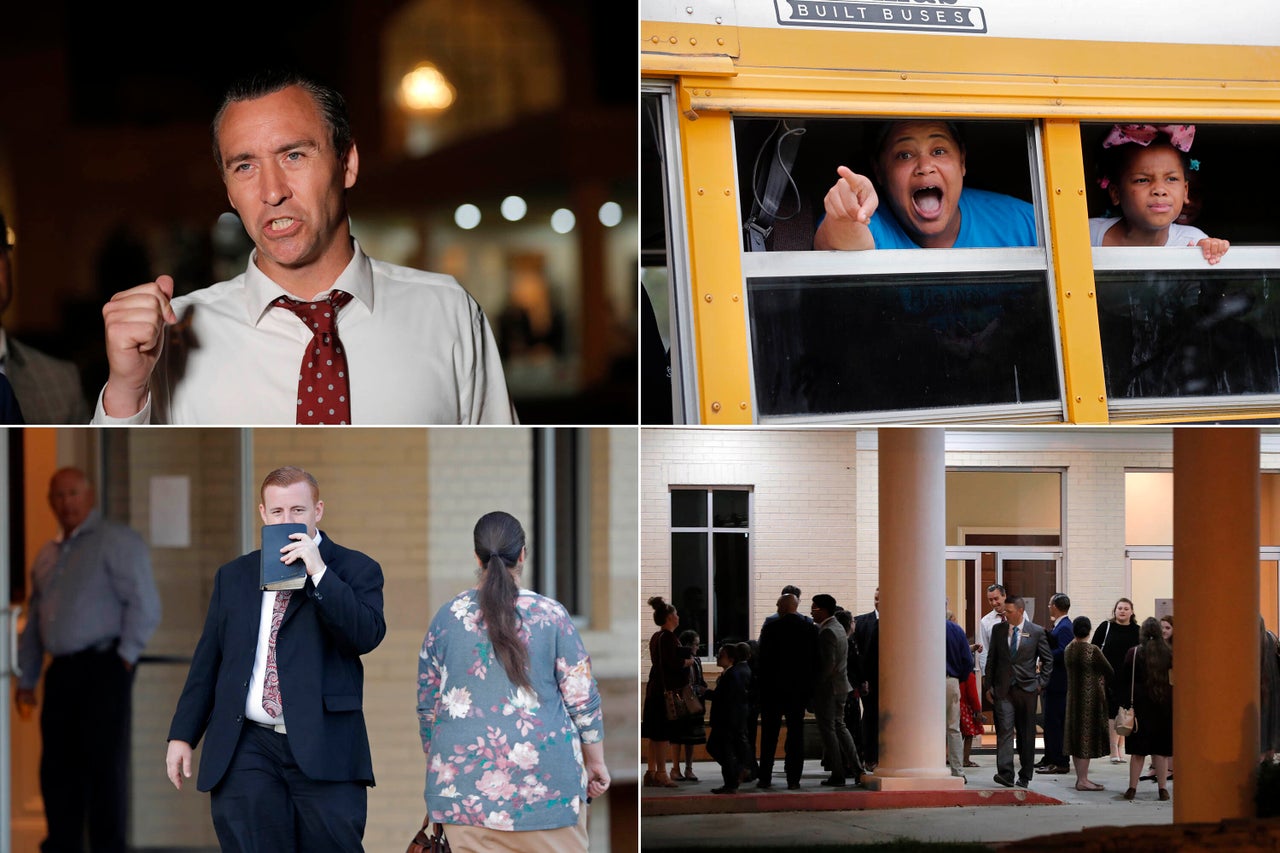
(425, 89)
(467, 216)
(514, 208)
(610, 214)
(562, 221)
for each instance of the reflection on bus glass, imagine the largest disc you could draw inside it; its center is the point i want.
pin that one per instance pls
(826, 345)
(1190, 334)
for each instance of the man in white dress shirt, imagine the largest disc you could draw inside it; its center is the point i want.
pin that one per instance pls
(418, 346)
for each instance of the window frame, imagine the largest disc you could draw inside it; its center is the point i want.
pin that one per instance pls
(890, 262)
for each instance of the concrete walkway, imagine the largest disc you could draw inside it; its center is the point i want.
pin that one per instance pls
(983, 812)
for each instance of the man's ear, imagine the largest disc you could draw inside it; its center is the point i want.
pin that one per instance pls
(351, 167)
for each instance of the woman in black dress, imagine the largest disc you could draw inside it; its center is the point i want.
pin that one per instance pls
(669, 670)
(1115, 637)
(1147, 667)
(692, 730)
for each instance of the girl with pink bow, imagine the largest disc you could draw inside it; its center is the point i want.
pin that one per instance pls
(1144, 169)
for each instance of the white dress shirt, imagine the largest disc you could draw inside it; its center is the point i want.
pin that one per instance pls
(988, 622)
(419, 349)
(253, 704)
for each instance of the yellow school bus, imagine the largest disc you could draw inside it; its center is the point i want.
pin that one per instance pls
(749, 107)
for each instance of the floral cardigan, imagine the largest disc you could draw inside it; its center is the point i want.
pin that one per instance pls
(498, 756)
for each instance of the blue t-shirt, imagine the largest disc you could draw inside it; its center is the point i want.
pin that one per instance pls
(987, 220)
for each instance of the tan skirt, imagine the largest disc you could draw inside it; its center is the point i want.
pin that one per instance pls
(479, 839)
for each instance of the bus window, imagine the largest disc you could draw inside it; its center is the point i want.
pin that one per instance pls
(1172, 327)
(841, 334)
(800, 158)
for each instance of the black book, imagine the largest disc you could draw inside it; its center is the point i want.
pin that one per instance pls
(275, 574)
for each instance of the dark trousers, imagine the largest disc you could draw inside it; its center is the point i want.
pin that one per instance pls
(771, 717)
(84, 762)
(728, 746)
(1055, 720)
(1016, 714)
(265, 804)
(871, 726)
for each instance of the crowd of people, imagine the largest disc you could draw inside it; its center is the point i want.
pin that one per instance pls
(1081, 679)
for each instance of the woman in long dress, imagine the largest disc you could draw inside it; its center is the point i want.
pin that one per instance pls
(1085, 732)
(1146, 667)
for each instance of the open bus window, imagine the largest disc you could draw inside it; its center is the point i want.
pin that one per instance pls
(787, 165)
(1172, 326)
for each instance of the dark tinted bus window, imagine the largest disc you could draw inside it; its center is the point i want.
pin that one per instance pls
(1190, 334)
(827, 345)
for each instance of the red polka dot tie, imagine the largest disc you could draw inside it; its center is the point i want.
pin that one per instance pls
(324, 385)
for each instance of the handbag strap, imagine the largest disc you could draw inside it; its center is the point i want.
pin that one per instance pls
(1133, 674)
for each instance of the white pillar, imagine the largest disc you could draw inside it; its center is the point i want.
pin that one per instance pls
(1216, 599)
(913, 722)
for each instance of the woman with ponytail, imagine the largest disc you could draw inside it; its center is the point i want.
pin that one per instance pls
(509, 712)
(669, 670)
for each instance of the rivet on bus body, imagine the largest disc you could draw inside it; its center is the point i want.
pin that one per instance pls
(743, 405)
(1057, 102)
(903, 75)
(735, 297)
(1090, 294)
(719, 20)
(1101, 398)
(720, 42)
(726, 191)
(674, 40)
(715, 407)
(1068, 294)
(701, 191)
(1055, 79)
(1079, 190)
(688, 10)
(655, 39)
(1057, 190)
(693, 41)
(707, 297)
(1079, 399)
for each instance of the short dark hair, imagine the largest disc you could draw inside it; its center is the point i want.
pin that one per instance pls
(1081, 626)
(1015, 601)
(998, 586)
(1061, 601)
(791, 590)
(268, 81)
(689, 638)
(825, 601)
(844, 617)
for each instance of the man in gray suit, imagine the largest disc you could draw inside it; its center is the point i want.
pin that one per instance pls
(831, 689)
(1019, 663)
(48, 389)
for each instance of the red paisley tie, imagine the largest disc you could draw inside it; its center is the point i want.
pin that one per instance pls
(271, 683)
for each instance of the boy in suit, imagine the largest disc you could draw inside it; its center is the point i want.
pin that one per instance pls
(727, 743)
(1019, 664)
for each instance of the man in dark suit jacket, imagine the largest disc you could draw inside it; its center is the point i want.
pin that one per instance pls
(286, 752)
(48, 388)
(1019, 664)
(1055, 695)
(788, 649)
(866, 632)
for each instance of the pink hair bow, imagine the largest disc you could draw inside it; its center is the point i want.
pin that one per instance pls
(1180, 135)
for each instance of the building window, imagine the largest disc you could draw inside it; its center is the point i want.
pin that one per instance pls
(561, 517)
(710, 563)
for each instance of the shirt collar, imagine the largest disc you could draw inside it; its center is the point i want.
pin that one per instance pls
(89, 523)
(261, 291)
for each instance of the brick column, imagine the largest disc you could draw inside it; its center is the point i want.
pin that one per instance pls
(1215, 584)
(913, 723)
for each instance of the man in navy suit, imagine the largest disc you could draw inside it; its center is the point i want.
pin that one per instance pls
(1055, 695)
(1019, 664)
(788, 651)
(286, 752)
